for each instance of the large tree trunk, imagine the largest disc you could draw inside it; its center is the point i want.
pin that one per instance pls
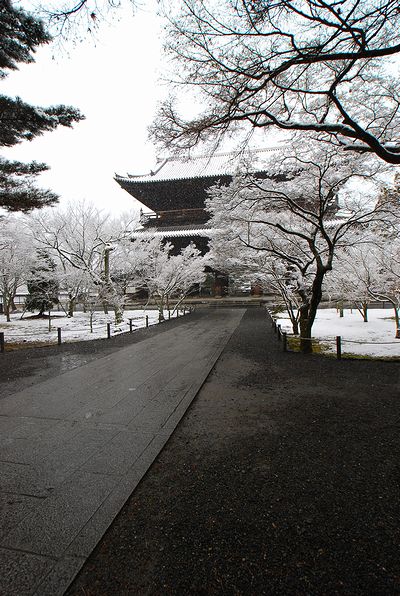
(290, 309)
(118, 314)
(295, 327)
(396, 318)
(293, 319)
(308, 312)
(160, 305)
(7, 308)
(71, 306)
(106, 277)
(365, 311)
(305, 329)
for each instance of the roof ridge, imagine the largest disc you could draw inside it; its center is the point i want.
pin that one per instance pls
(201, 170)
(211, 155)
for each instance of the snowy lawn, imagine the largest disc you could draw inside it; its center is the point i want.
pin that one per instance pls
(76, 328)
(377, 337)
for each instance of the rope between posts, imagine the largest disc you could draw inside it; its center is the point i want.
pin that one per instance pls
(374, 343)
(333, 339)
(350, 341)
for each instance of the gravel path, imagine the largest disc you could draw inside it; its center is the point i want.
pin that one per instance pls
(283, 478)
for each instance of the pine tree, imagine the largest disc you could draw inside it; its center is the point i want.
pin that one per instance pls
(20, 34)
(43, 286)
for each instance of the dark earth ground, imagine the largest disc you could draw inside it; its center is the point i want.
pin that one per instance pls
(282, 478)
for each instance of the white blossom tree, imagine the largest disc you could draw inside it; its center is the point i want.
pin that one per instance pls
(295, 217)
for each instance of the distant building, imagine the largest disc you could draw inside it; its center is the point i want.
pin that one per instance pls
(176, 190)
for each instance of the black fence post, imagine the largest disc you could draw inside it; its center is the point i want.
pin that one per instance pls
(108, 330)
(2, 342)
(284, 338)
(130, 325)
(279, 332)
(147, 320)
(339, 347)
(59, 336)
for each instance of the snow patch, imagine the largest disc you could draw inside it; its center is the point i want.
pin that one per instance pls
(377, 337)
(76, 328)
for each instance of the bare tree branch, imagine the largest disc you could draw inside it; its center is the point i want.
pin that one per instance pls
(307, 66)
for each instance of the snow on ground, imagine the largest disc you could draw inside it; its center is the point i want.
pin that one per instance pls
(377, 337)
(76, 328)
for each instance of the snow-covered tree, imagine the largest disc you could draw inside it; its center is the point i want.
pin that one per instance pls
(42, 285)
(294, 216)
(165, 276)
(370, 270)
(20, 34)
(16, 260)
(82, 238)
(348, 281)
(377, 269)
(247, 266)
(299, 65)
(74, 282)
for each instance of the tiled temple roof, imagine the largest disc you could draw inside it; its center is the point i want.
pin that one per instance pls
(174, 232)
(203, 166)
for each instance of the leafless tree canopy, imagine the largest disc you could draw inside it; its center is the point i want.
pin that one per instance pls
(317, 65)
(73, 18)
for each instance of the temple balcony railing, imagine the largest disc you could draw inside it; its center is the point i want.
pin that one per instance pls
(174, 217)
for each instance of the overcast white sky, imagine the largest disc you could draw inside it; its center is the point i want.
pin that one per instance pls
(114, 82)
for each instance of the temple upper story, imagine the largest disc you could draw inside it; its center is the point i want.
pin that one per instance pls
(177, 188)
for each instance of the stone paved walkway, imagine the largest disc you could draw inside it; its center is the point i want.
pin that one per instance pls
(74, 447)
